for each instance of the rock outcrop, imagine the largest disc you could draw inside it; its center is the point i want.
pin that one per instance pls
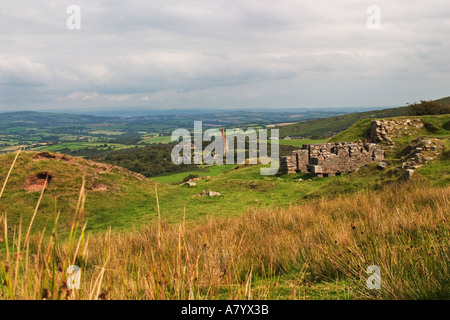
(386, 130)
(420, 151)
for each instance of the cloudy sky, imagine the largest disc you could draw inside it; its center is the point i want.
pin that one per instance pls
(222, 54)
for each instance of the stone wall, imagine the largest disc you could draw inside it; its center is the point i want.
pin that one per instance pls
(329, 159)
(385, 130)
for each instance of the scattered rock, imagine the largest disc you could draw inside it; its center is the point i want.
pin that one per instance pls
(300, 180)
(421, 151)
(198, 178)
(210, 193)
(408, 174)
(382, 164)
(190, 184)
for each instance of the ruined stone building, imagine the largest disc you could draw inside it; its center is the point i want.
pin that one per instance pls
(385, 130)
(329, 159)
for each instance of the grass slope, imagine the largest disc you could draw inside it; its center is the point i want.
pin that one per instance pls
(263, 238)
(319, 250)
(435, 126)
(130, 201)
(330, 126)
(115, 196)
(445, 100)
(437, 173)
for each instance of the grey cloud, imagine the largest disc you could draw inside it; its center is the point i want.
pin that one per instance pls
(201, 53)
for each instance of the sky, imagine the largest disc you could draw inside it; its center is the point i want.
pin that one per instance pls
(222, 54)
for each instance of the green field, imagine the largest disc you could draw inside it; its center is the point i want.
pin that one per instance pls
(212, 171)
(108, 133)
(156, 140)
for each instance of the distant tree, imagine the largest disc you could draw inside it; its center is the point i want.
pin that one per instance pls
(427, 108)
(149, 161)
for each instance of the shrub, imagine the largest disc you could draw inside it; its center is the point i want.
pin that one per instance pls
(427, 108)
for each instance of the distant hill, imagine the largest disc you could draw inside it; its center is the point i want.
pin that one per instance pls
(33, 118)
(435, 125)
(443, 100)
(328, 127)
(32, 128)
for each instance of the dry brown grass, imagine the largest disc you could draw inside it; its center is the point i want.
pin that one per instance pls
(263, 254)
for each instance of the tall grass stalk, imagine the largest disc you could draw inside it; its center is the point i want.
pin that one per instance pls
(317, 250)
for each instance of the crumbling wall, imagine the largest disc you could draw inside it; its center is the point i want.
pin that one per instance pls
(385, 130)
(328, 159)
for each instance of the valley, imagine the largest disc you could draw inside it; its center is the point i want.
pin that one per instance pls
(293, 236)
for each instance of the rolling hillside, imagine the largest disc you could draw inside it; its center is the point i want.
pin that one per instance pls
(328, 127)
(115, 196)
(280, 237)
(445, 101)
(120, 198)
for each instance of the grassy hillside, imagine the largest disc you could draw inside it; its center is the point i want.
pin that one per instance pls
(319, 250)
(330, 126)
(436, 126)
(114, 195)
(121, 199)
(264, 237)
(444, 100)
